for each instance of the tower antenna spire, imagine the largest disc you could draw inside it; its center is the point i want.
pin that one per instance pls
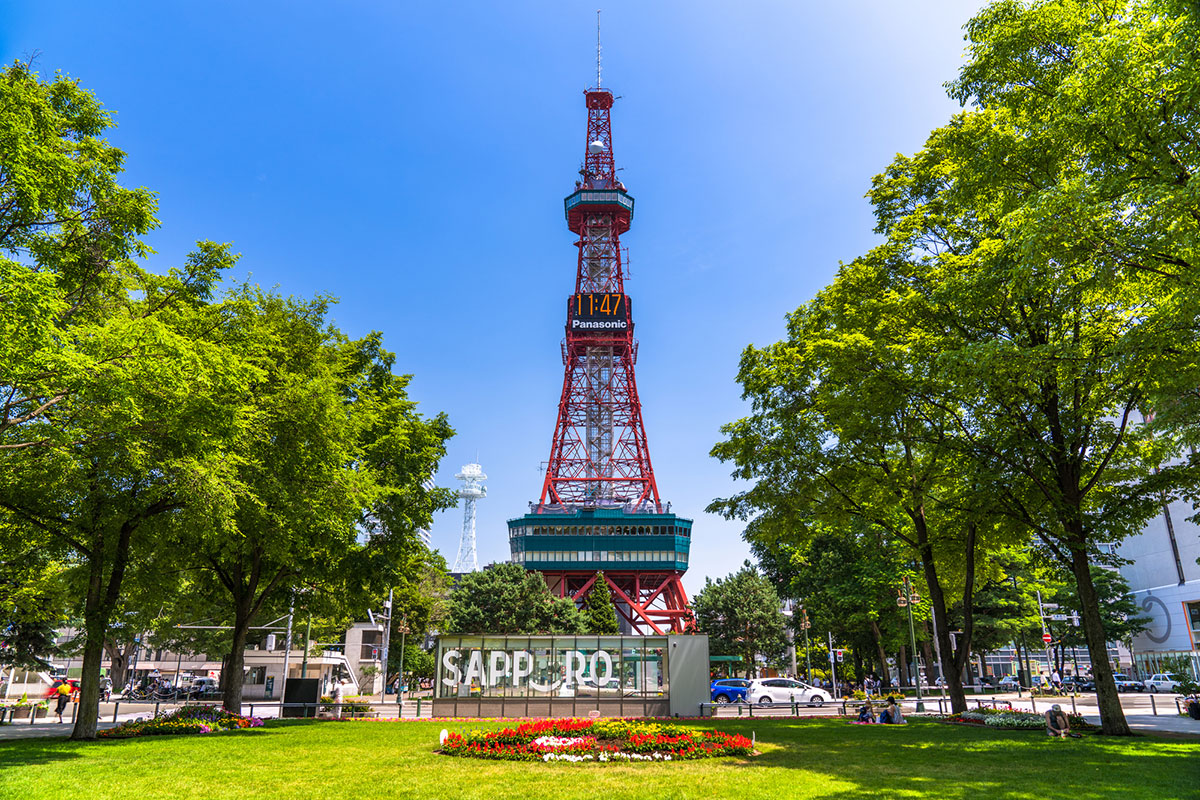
(598, 49)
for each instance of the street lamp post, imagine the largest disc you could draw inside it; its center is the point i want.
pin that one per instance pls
(907, 600)
(804, 626)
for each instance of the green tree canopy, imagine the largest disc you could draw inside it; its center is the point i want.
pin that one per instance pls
(507, 598)
(742, 615)
(599, 613)
(329, 481)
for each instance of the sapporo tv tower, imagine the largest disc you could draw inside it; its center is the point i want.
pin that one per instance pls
(600, 509)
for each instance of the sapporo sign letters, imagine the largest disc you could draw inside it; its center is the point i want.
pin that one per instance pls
(574, 666)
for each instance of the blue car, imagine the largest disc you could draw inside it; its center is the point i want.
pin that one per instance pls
(729, 690)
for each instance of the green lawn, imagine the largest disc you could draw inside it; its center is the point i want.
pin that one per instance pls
(800, 759)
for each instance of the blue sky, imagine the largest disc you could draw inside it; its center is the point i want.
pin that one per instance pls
(411, 159)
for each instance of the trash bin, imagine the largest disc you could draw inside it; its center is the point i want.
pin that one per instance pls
(1193, 708)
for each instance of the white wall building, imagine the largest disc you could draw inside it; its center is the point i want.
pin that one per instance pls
(1164, 580)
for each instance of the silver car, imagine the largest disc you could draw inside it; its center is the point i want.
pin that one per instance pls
(1162, 682)
(786, 690)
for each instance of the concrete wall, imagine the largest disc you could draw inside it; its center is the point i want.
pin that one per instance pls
(687, 670)
(1154, 579)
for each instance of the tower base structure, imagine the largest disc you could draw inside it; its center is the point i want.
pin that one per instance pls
(642, 556)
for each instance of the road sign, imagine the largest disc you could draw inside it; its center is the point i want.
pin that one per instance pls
(1059, 617)
(1047, 638)
(832, 656)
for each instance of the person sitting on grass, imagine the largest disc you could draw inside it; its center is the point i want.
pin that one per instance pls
(866, 713)
(1057, 724)
(892, 714)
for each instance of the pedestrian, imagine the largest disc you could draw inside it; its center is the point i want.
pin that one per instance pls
(1056, 679)
(339, 695)
(62, 696)
(868, 686)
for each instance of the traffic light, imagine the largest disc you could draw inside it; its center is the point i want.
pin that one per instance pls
(839, 656)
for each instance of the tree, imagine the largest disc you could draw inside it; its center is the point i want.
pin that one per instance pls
(133, 447)
(508, 599)
(33, 600)
(849, 428)
(1045, 248)
(599, 613)
(742, 615)
(329, 484)
(419, 606)
(847, 583)
(66, 230)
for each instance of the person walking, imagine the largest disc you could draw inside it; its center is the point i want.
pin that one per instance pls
(339, 696)
(62, 696)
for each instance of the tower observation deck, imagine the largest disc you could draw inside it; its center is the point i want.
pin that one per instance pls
(600, 508)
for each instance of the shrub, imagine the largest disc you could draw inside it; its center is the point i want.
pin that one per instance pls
(184, 720)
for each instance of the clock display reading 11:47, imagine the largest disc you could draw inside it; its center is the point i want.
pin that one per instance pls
(598, 311)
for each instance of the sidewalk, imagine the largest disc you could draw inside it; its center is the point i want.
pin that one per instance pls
(49, 726)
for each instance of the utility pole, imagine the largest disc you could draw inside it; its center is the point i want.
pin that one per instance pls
(937, 650)
(387, 640)
(833, 664)
(907, 600)
(307, 645)
(804, 626)
(287, 651)
(403, 632)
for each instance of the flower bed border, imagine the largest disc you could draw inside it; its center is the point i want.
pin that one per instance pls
(597, 741)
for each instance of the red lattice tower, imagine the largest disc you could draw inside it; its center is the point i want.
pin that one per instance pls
(600, 510)
(599, 456)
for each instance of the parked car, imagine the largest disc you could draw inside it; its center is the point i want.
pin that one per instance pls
(1162, 682)
(1009, 683)
(1128, 684)
(203, 687)
(786, 690)
(729, 690)
(1078, 683)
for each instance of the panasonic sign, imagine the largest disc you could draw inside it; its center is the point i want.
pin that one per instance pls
(599, 325)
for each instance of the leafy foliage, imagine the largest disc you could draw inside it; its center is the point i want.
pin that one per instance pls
(507, 598)
(599, 613)
(741, 615)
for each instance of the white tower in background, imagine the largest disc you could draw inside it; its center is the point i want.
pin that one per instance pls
(472, 489)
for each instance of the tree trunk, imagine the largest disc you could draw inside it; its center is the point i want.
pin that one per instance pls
(902, 666)
(88, 712)
(118, 662)
(233, 676)
(1112, 716)
(95, 627)
(884, 672)
(101, 598)
(953, 660)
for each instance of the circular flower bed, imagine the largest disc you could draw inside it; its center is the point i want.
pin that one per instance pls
(188, 719)
(603, 740)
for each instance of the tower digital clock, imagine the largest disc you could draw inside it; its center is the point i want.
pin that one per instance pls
(598, 312)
